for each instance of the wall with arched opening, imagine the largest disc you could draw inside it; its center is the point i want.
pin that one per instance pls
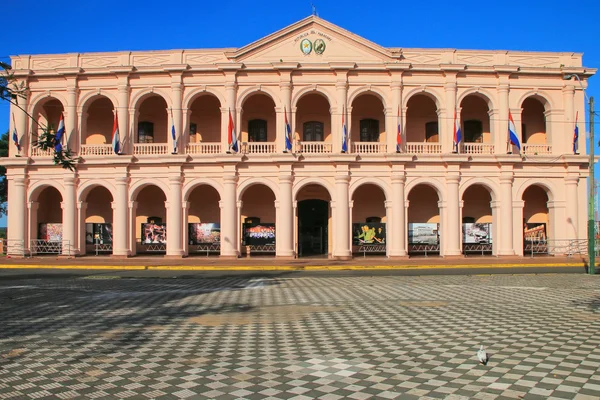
(367, 107)
(153, 109)
(205, 120)
(99, 122)
(474, 108)
(313, 107)
(533, 122)
(421, 120)
(259, 106)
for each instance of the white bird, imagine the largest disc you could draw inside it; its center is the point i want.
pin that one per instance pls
(482, 356)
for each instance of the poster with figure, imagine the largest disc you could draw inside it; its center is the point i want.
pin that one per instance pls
(259, 235)
(204, 233)
(534, 232)
(97, 233)
(154, 233)
(368, 233)
(474, 233)
(423, 233)
(50, 232)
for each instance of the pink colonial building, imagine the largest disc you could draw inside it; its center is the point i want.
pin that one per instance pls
(388, 193)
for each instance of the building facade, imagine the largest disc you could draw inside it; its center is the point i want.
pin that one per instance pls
(400, 187)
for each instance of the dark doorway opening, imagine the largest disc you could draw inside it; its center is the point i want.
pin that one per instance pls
(313, 216)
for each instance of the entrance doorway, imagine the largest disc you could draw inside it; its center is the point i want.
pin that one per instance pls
(312, 227)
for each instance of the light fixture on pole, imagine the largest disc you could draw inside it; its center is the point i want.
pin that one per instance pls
(591, 221)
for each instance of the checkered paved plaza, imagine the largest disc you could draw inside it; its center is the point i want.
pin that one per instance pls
(301, 337)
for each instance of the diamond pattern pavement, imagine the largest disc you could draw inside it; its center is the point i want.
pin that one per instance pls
(301, 337)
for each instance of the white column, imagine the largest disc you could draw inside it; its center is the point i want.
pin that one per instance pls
(517, 222)
(68, 217)
(132, 227)
(495, 206)
(33, 232)
(286, 99)
(452, 232)
(176, 89)
(391, 118)
(398, 222)
(285, 217)
(126, 133)
(342, 233)
(230, 98)
(389, 234)
(229, 218)
(81, 215)
(501, 137)
(17, 214)
(341, 88)
(174, 218)
(506, 227)
(119, 223)
(572, 222)
(185, 208)
(21, 125)
(447, 130)
(71, 119)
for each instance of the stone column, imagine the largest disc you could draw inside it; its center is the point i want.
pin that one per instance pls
(389, 234)
(517, 221)
(506, 227)
(447, 130)
(341, 88)
(286, 99)
(126, 133)
(71, 140)
(229, 217)
(452, 232)
(185, 208)
(495, 206)
(129, 147)
(174, 218)
(501, 138)
(132, 227)
(18, 213)
(398, 222)
(285, 217)
(33, 224)
(392, 119)
(230, 98)
(68, 217)
(21, 125)
(81, 215)
(342, 233)
(120, 228)
(572, 210)
(177, 112)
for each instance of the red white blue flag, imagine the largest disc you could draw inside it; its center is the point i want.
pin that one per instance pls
(399, 135)
(60, 133)
(116, 140)
(576, 136)
(15, 136)
(344, 134)
(457, 134)
(512, 132)
(288, 133)
(231, 136)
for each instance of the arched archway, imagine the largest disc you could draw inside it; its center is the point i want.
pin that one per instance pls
(46, 115)
(367, 124)
(478, 228)
(46, 229)
(313, 132)
(476, 124)
(369, 220)
(98, 121)
(533, 126)
(424, 221)
(203, 221)
(536, 219)
(204, 122)
(96, 231)
(422, 124)
(151, 125)
(259, 124)
(150, 217)
(313, 221)
(257, 217)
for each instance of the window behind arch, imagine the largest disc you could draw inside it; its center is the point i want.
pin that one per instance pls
(257, 130)
(369, 130)
(431, 132)
(313, 132)
(145, 132)
(473, 131)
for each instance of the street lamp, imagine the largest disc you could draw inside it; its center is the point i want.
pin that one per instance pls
(591, 222)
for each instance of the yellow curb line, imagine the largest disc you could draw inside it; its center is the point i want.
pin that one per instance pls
(285, 267)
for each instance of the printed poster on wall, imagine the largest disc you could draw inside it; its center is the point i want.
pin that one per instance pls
(154, 233)
(368, 233)
(97, 233)
(259, 235)
(50, 232)
(204, 233)
(423, 233)
(477, 233)
(534, 232)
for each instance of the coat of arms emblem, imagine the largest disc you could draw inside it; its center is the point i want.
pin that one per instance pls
(319, 46)
(306, 46)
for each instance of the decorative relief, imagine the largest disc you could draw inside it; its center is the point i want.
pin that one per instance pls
(49, 63)
(475, 59)
(420, 58)
(87, 62)
(192, 59)
(150, 60)
(534, 61)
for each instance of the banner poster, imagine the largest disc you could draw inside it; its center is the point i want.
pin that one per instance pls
(422, 233)
(204, 233)
(96, 233)
(50, 232)
(259, 235)
(368, 233)
(154, 233)
(534, 232)
(477, 233)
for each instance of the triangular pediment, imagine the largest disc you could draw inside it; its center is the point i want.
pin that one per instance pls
(312, 40)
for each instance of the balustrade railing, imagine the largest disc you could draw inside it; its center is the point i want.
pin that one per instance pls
(258, 147)
(537, 149)
(149, 149)
(314, 147)
(369, 147)
(96, 150)
(478, 148)
(203, 148)
(423, 148)
(37, 152)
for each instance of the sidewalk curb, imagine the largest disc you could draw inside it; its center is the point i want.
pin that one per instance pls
(285, 267)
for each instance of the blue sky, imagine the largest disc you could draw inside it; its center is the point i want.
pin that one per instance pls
(41, 27)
